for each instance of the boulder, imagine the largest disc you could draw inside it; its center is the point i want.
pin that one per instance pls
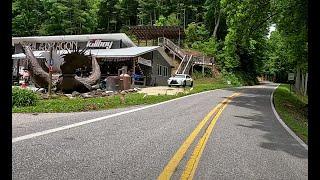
(75, 94)
(86, 95)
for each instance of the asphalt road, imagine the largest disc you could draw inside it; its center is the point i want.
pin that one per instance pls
(247, 141)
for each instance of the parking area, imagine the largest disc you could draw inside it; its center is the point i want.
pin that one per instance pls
(161, 90)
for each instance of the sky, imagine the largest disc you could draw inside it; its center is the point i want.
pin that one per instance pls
(271, 28)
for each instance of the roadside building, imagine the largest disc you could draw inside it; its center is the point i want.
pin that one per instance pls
(113, 52)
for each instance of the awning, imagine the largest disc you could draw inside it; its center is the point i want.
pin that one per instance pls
(100, 53)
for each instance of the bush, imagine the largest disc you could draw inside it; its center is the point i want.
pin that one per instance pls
(23, 97)
(239, 78)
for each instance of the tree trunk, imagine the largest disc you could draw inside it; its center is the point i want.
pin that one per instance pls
(216, 26)
(306, 85)
(297, 82)
(108, 24)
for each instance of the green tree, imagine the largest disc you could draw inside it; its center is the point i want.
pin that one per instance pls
(195, 33)
(27, 16)
(245, 44)
(67, 17)
(107, 16)
(169, 21)
(215, 19)
(128, 12)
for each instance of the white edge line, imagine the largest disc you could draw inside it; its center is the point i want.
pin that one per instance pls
(49, 131)
(283, 124)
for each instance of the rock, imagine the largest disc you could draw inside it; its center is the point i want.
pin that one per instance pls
(109, 93)
(97, 86)
(100, 90)
(41, 90)
(86, 95)
(68, 95)
(75, 94)
(131, 90)
(123, 92)
(44, 96)
(54, 96)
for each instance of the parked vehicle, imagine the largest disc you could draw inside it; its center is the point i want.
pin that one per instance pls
(180, 80)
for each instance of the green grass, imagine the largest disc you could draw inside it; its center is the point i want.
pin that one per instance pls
(64, 104)
(293, 110)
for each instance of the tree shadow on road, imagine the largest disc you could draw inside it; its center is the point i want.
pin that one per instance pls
(256, 109)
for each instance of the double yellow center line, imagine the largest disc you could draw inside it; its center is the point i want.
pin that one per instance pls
(192, 163)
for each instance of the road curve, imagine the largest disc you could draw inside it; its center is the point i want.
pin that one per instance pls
(247, 141)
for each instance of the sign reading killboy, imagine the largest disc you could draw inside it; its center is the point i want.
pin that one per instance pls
(98, 44)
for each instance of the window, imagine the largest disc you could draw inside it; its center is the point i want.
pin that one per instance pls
(158, 67)
(162, 70)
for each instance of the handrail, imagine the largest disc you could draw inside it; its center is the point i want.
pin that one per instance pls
(185, 57)
(181, 64)
(183, 72)
(169, 44)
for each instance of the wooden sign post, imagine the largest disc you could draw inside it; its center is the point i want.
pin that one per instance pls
(50, 71)
(291, 79)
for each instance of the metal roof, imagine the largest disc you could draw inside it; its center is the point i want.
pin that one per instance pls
(100, 53)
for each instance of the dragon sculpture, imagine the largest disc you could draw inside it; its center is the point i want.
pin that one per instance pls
(68, 81)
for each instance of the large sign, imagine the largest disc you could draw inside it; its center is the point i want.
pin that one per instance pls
(144, 61)
(69, 45)
(98, 44)
(45, 46)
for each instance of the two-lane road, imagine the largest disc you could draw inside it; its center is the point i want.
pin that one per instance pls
(237, 139)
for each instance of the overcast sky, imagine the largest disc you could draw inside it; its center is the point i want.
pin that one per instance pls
(271, 28)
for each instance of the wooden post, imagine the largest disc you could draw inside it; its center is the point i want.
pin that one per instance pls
(212, 70)
(18, 67)
(192, 69)
(203, 66)
(134, 70)
(179, 38)
(50, 71)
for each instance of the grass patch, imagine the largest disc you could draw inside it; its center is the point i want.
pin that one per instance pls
(64, 104)
(293, 110)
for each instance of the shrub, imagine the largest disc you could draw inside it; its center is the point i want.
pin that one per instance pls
(23, 97)
(239, 78)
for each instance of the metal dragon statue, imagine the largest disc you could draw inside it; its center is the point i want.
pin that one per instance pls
(68, 81)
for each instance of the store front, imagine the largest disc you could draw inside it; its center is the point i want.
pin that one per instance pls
(112, 51)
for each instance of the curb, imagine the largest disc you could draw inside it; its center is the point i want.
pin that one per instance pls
(283, 124)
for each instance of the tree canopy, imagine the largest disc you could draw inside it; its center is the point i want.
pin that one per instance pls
(234, 32)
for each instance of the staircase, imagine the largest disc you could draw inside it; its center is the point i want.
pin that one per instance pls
(185, 65)
(186, 60)
(167, 43)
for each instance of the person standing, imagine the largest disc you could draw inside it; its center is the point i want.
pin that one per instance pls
(25, 77)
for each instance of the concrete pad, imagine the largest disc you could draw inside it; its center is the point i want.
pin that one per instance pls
(161, 90)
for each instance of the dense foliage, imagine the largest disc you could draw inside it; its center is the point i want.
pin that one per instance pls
(23, 97)
(233, 32)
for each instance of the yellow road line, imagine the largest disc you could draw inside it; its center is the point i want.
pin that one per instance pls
(193, 162)
(175, 160)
